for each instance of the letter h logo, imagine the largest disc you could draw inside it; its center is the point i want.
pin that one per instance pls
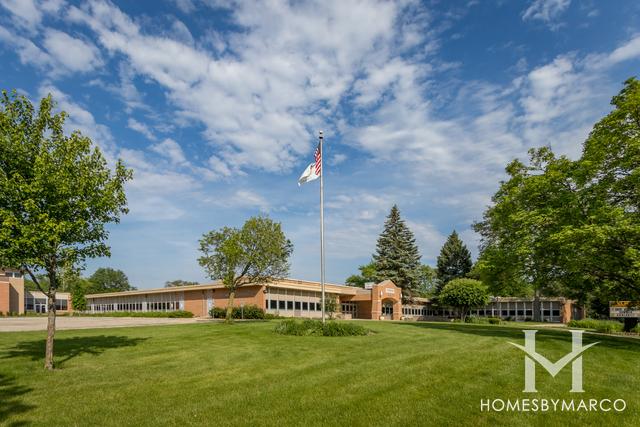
(553, 368)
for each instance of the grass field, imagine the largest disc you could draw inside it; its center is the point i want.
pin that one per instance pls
(244, 374)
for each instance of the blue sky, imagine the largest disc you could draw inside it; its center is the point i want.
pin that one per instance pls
(216, 106)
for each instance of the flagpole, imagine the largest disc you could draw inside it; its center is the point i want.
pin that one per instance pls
(322, 223)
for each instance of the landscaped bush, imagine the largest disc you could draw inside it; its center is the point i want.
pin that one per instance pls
(606, 326)
(636, 329)
(315, 327)
(475, 319)
(483, 320)
(249, 312)
(162, 314)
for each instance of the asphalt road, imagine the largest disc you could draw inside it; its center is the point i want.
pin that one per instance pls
(14, 324)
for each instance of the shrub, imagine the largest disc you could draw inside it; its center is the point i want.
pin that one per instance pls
(606, 326)
(636, 329)
(217, 312)
(315, 327)
(494, 320)
(248, 312)
(159, 314)
(475, 319)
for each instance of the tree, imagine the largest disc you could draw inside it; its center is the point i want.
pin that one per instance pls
(397, 257)
(367, 275)
(178, 283)
(559, 225)
(57, 194)
(427, 281)
(454, 260)
(256, 253)
(30, 285)
(464, 294)
(109, 280)
(78, 295)
(330, 306)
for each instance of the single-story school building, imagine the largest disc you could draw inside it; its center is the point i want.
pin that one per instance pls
(300, 298)
(286, 297)
(15, 299)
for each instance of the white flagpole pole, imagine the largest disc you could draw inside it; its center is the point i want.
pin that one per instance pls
(322, 223)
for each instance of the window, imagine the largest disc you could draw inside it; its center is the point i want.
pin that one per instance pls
(305, 306)
(281, 305)
(13, 274)
(266, 304)
(289, 305)
(297, 305)
(273, 304)
(556, 313)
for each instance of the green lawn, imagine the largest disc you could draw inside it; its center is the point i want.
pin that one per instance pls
(244, 374)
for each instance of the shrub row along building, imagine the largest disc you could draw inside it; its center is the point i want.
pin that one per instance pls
(286, 297)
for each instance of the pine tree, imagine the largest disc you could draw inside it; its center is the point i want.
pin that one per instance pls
(397, 257)
(454, 261)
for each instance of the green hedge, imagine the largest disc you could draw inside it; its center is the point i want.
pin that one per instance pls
(249, 312)
(315, 327)
(483, 320)
(607, 326)
(163, 314)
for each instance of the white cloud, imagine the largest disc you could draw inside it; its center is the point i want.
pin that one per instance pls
(546, 10)
(141, 127)
(79, 118)
(26, 13)
(72, 53)
(247, 199)
(260, 106)
(172, 151)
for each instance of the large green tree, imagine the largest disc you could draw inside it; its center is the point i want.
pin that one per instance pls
(464, 294)
(107, 279)
(57, 194)
(256, 253)
(454, 261)
(397, 257)
(572, 226)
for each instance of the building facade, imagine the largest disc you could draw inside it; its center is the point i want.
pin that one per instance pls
(15, 299)
(299, 298)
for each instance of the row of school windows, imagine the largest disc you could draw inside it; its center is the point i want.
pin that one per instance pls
(292, 305)
(137, 306)
(424, 311)
(39, 305)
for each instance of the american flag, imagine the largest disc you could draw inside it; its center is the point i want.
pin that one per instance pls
(318, 159)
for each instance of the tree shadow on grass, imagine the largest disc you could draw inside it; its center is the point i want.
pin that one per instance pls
(516, 334)
(10, 401)
(66, 349)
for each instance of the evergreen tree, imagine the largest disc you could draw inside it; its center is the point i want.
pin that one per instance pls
(397, 257)
(454, 261)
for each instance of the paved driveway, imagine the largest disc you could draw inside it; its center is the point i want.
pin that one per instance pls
(12, 324)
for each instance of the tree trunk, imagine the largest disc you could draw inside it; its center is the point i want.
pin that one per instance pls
(51, 329)
(229, 317)
(536, 307)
